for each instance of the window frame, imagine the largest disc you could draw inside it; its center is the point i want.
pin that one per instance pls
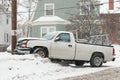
(45, 8)
(64, 39)
(47, 29)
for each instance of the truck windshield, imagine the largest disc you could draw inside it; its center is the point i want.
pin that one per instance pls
(49, 36)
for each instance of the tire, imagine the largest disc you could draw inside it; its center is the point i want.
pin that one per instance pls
(55, 60)
(41, 52)
(79, 63)
(96, 60)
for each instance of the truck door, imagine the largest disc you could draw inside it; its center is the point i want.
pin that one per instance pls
(62, 47)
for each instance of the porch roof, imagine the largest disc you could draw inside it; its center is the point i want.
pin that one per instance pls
(50, 20)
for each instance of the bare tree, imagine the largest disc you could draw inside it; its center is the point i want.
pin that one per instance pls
(85, 23)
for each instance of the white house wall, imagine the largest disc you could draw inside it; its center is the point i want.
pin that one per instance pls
(5, 30)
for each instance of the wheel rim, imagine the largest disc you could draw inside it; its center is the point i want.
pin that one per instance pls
(41, 53)
(98, 61)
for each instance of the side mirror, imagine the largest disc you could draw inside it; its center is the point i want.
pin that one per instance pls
(57, 39)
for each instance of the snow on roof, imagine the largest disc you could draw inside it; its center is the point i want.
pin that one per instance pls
(47, 20)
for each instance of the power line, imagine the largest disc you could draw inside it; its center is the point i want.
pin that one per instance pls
(110, 2)
(65, 7)
(71, 7)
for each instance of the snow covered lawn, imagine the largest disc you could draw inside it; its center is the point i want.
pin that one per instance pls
(29, 67)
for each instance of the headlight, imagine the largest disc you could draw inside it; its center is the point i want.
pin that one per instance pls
(24, 44)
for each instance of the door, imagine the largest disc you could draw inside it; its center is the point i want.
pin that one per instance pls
(63, 48)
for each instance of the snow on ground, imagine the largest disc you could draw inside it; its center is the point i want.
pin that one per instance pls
(29, 67)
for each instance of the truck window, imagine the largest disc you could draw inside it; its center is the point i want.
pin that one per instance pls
(49, 36)
(65, 37)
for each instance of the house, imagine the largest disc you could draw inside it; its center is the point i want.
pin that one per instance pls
(5, 27)
(110, 12)
(52, 15)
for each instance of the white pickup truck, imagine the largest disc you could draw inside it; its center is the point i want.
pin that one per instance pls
(61, 45)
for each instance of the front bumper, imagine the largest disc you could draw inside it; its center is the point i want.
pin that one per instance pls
(22, 50)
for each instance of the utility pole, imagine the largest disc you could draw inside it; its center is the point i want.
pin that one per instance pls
(29, 10)
(14, 24)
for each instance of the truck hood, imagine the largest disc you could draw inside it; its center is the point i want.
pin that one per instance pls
(30, 38)
(38, 42)
(27, 38)
(41, 39)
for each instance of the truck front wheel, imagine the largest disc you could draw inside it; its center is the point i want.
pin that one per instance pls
(41, 52)
(96, 60)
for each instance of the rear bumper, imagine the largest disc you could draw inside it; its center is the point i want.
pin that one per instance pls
(113, 59)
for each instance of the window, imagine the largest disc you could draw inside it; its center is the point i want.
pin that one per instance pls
(7, 19)
(6, 37)
(65, 37)
(45, 30)
(118, 33)
(49, 36)
(49, 9)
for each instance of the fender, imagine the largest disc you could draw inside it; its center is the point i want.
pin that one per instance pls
(43, 43)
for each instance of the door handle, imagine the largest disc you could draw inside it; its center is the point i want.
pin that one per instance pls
(69, 45)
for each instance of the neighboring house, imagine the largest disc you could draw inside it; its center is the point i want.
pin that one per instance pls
(112, 26)
(5, 27)
(110, 12)
(52, 15)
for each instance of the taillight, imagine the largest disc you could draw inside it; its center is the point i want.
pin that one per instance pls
(113, 52)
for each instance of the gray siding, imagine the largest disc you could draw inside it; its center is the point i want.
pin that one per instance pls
(63, 9)
(35, 31)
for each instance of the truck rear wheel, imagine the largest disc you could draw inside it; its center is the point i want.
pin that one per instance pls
(41, 52)
(96, 60)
